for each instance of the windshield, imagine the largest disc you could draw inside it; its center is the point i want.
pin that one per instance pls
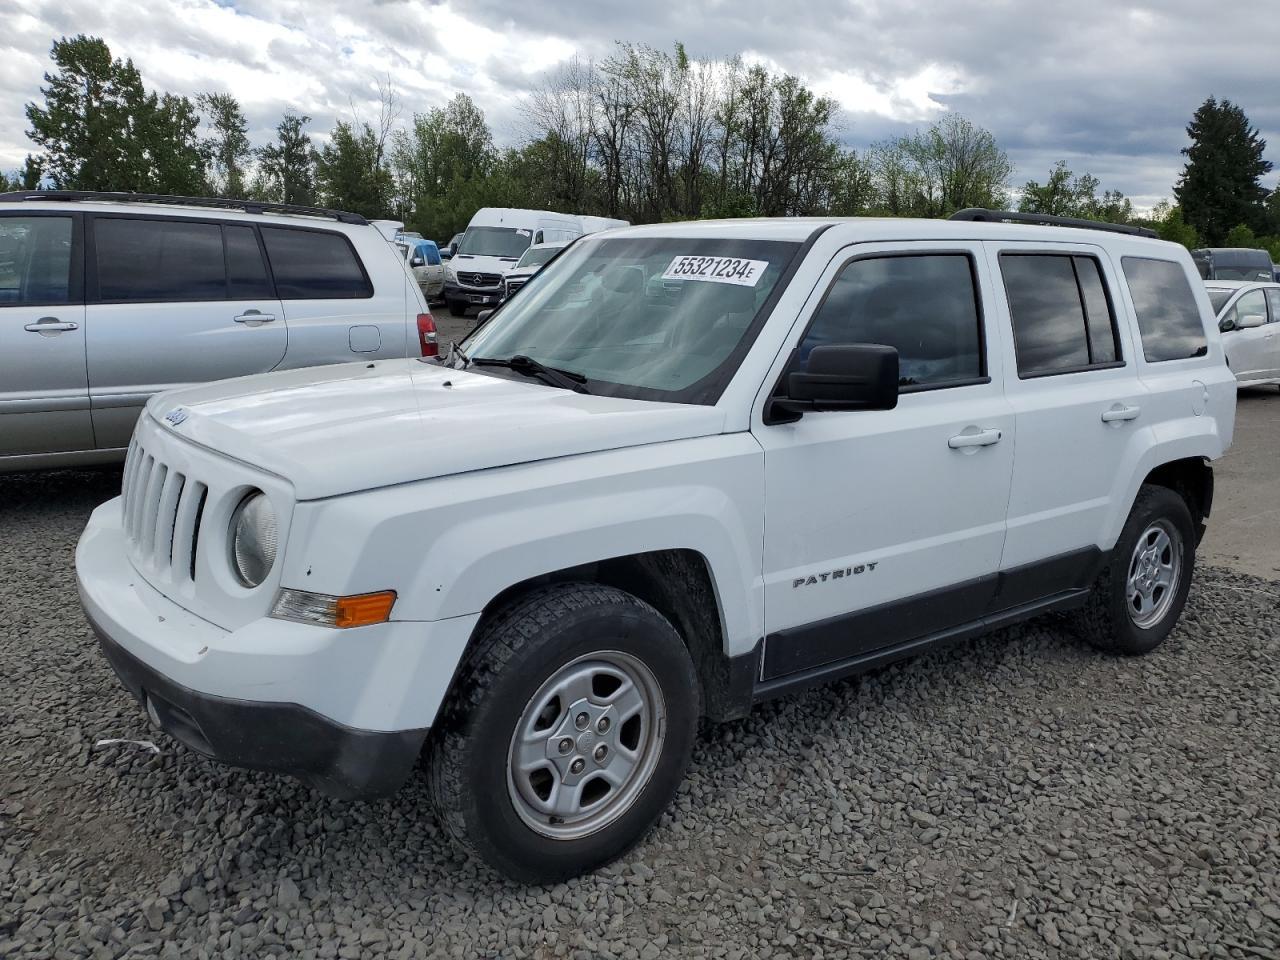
(1218, 298)
(537, 256)
(1241, 273)
(658, 318)
(494, 242)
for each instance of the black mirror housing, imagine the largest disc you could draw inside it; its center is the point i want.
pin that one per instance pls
(847, 376)
(482, 316)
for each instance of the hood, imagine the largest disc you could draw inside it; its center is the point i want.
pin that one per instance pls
(466, 263)
(357, 426)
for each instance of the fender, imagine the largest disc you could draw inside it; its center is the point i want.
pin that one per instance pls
(454, 543)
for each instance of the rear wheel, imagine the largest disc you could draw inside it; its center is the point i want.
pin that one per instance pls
(1137, 600)
(569, 733)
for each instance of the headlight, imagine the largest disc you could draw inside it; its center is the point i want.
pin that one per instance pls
(449, 275)
(253, 539)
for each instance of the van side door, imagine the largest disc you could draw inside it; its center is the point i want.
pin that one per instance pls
(886, 526)
(173, 301)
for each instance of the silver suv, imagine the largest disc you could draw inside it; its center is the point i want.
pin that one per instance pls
(107, 299)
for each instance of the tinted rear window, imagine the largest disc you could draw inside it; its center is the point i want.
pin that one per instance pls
(1062, 318)
(247, 277)
(314, 265)
(1168, 315)
(168, 260)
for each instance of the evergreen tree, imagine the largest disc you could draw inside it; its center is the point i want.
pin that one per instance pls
(351, 172)
(1221, 183)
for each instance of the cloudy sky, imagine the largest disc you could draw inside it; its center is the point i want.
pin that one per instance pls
(1107, 85)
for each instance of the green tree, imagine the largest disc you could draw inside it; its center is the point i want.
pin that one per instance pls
(1241, 235)
(227, 144)
(933, 173)
(1166, 219)
(1221, 185)
(286, 171)
(99, 128)
(351, 171)
(1064, 194)
(446, 168)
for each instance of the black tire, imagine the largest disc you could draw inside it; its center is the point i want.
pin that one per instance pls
(1105, 621)
(457, 308)
(519, 649)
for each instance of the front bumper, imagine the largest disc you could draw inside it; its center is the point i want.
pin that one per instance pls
(345, 711)
(477, 296)
(284, 738)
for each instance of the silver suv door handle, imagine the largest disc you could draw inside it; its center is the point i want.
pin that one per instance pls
(1119, 412)
(51, 325)
(254, 316)
(983, 438)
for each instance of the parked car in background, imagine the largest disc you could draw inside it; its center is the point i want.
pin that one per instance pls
(493, 243)
(597, 224)
(708, 464)
(107, 299)
(1233, 263)
(391, 229)
(1249, 318)
(531, 261)
(422, 257)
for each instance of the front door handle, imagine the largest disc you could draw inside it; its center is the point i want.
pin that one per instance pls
(979, 438)
(1119, 412)
(46, 325)
(254, 316)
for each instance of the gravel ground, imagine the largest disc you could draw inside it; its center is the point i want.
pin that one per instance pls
(1016, 796)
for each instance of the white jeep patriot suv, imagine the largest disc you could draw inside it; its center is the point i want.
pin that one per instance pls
(690, 467)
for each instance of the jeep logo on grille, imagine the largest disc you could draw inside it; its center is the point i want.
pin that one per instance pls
(176, 416)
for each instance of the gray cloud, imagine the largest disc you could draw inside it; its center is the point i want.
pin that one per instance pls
(1107, 87)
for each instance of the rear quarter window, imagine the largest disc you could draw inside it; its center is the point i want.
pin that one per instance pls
(314, 265)
(1168, 315)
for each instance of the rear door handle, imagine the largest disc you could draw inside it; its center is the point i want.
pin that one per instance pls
(51, 325)
(254, 316)
(980, 438)
(1119, 412)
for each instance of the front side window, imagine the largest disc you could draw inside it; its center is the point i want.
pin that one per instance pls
(537, 256)
(658, 318)
(1168, 316)
(314, 265)
(1253, 303)
(1218, 298)
(429, 253)
(35, 261)
(505, 242)
(142, 260)
(1062, 317)
(1273, 298)
(926, 306)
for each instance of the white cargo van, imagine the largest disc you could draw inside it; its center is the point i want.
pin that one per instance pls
(492, 244)
(596, 224)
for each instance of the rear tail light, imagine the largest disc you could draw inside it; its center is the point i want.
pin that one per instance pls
(427, 336)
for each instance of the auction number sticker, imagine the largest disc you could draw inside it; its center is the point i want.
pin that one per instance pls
(745, 273)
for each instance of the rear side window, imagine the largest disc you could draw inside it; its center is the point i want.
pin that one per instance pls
(314, 265)
(1168, 316)
(926, 306)
(247, 277)
(1062, 317)
(171, 260)
(35, 261)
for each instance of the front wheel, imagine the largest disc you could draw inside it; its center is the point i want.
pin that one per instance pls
(457, 308)
(569, 733)
(1137, 600)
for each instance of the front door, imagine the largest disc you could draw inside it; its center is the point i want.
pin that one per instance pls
(44, 398)
(1249, 347)
(173, 302)
(887, 526)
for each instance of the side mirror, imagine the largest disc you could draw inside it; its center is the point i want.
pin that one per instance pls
(1248, 321)
(1226, 324)
(446, 253)
(417, 262)
(854, 376)
(482, 316)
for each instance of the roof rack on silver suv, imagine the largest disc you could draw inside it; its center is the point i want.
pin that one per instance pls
(248, 206)
(982, 215)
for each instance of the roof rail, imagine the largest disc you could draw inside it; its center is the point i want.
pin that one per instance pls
(981, 215)
(223, 203)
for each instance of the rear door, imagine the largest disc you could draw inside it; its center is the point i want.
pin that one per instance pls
(44, 396)
(173, 301)
(1078, 404)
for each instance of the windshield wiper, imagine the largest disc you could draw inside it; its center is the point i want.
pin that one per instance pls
(565, 379)
(456, 351)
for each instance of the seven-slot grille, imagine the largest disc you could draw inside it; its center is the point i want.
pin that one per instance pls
(162, 512)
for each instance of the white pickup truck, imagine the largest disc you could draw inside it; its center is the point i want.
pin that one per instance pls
(700, 465)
